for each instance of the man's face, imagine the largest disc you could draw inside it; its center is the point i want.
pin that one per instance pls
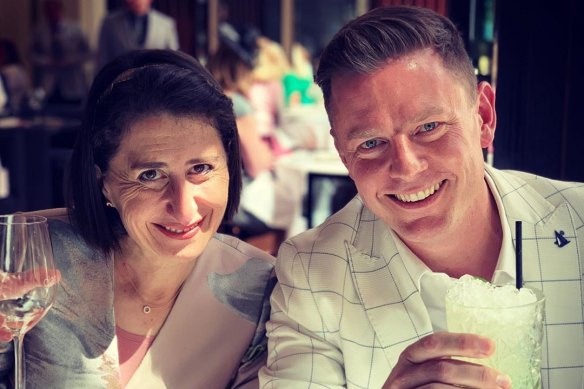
(139, 7)
(411, 135)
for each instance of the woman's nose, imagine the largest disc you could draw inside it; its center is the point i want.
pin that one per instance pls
(183, 204)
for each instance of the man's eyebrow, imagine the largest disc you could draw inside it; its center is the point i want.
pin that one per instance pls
(359, 133)
(427, 112)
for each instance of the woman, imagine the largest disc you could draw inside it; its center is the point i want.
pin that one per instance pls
(150, 296)
(267, 200)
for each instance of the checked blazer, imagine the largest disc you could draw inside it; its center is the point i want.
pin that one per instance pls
(345, 306)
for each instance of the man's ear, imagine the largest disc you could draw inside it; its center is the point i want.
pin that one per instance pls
(487, 113)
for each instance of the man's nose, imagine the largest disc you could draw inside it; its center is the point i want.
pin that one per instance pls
(406, 159)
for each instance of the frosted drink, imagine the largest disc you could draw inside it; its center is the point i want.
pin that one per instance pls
(512, 318)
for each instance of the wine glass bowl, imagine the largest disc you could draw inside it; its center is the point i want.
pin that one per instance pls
(28, 279)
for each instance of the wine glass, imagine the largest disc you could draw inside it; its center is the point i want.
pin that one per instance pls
(28, 280)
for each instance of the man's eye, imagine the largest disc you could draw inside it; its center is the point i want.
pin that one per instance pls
(202, 168)
(429, 126)
(149, 175)
(369, 144)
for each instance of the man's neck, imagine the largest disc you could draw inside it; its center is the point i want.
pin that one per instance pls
(473, 249)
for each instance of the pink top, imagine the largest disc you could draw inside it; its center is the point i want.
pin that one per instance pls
(132, 349)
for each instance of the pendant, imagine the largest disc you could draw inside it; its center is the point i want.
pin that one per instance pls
(146, 309)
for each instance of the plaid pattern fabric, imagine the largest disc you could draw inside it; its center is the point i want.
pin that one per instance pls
(345, 306)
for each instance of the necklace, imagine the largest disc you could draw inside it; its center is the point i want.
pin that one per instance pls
(148, 307)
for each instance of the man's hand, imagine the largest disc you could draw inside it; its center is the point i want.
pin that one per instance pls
(15, 285)
(427, 364)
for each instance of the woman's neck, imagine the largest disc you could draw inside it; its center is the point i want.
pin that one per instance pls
(145, 289)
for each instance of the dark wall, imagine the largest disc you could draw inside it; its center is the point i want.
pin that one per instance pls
(539, 84)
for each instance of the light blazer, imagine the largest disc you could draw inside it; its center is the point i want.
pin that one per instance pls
(115, 37)
(345, 306)
(213, 338)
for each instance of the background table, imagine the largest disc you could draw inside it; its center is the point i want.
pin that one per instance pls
(324, 181)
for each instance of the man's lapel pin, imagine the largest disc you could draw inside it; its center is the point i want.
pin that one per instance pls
(560, 241)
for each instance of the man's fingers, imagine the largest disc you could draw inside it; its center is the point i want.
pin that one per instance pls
(447, 344)
(448, 373)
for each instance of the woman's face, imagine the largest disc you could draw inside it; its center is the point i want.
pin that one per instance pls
(169, 182)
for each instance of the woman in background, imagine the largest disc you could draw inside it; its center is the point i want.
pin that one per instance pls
(267, 201)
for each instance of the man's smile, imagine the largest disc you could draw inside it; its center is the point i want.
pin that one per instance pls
(418, 196)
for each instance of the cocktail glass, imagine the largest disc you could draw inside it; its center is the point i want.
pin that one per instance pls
(512, 318)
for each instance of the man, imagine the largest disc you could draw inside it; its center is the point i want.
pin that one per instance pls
(138, 26)
(360, 299)
(59, 52)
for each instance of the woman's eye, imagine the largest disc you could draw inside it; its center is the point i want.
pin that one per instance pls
(149, 175)
(429, 126)
(369, 144)
(202, 168)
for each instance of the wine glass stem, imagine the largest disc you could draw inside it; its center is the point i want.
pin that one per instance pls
(18, 363)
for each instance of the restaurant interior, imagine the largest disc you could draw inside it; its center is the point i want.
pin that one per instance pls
(531, 51)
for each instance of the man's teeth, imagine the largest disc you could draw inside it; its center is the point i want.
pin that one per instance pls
(421, 195)
(178, 231)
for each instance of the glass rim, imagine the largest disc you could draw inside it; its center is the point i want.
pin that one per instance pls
(20, 219)
(540, 298)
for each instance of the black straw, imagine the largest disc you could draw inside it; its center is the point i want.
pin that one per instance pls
(518, 256)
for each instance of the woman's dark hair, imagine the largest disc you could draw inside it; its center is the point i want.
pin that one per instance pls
(368, 42)
(135, 86)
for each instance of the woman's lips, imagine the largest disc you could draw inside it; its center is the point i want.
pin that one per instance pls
(186, 232)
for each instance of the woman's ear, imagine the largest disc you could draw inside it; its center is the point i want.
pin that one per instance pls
(100, 178)
(487, 113)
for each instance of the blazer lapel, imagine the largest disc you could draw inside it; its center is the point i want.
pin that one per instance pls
(549, 238)
(550, 264)
(389, 295)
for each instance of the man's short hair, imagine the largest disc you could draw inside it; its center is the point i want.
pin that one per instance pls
(370, 41)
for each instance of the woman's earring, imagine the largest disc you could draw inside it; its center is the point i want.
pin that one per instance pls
(109, 204)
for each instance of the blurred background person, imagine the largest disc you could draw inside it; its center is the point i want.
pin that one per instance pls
(16, 79)
(59, 51)
(267, 97)
(3, 98)
(266, 92)
(268, 202)
(299, 83)
(136, 26)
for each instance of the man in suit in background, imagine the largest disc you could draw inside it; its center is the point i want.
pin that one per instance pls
(360, 299)
(138, 26)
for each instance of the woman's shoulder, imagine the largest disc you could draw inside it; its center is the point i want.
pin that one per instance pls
(243, 251)
(69, 248)
(244, 275)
